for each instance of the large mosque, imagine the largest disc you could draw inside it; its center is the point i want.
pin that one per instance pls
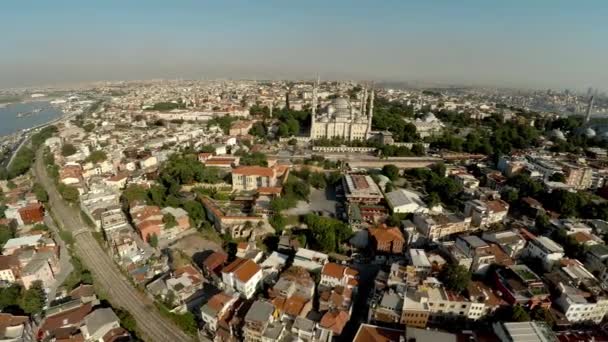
(341, 119)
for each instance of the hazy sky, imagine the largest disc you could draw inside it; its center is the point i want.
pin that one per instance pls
(531, 43)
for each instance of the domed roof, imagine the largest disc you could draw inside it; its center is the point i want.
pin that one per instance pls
(557, 133)
(604, 136)
(340, 103)
(430, 117)
(589, 132)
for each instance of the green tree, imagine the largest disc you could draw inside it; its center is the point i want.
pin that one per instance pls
(169, 220)
(558, 177)
(195, 210)
(153, 240)
(135, 192)
(68, 149)
(519, 314)
(526, 186)
(127, 320)
(40, 192)
(317, 180)
(68, 193)
(157, 195)
(97, 156)
(6, 233)
(89, 127)
(391, 171)
(418, 150)
(455, 277)
(258, 130)
(10, 295)
(254, 159)
(34, 298)
(21, 162)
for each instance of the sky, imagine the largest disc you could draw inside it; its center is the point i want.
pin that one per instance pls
(532, 44)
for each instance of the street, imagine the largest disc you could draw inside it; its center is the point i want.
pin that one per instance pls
(120, 292)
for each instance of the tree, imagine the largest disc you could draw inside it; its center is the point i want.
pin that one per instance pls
(9, 296)
(254, 159)
(135, 192)
(169, 220)
(68, 192)
(157, 195)
(153, 240)
(558, 177)
(317, 180)
(195, 210)
(418, 150)
(34, 298)
(455, 277)
(40, 192)
(327, 232)
(6, 233)
(277, 222)
(519, 314)
(510, 195)
(564, 202)
(97, 156)
(68, 149)
(21, 162)
(433, 200)
(526, 186)
(89, 127)
(394, 220)
(391, 171)
(127, 320)
(258, 130)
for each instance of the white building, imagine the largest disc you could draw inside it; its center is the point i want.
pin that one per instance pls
(341, 119)
(243, 276)
(404, 201)
(545, 249)
(309, 259)
(485, 213)
(428, 125)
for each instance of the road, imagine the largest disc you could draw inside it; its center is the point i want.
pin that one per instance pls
(120, 292)
(65, 264)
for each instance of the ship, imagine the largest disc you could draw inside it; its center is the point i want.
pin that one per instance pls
(24, 114)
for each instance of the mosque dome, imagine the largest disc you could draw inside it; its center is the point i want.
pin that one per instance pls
(430, 117)
(557, 133)
(331, 109)
(340, 103)
(341, 107)
(589, 132)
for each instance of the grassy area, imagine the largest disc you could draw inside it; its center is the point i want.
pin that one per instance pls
(185, 322)
(211, 234)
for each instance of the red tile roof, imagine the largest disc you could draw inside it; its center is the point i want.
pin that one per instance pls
(334, 321)
(254, 171)
(243, 269)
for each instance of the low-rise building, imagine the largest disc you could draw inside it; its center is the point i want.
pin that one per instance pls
(259, 316)
(440, 226)
(387, 239)
(485, 213)
(243, 276)
(361, 189)
(545, 250)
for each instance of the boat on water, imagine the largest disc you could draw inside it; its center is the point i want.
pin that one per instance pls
(24, 114)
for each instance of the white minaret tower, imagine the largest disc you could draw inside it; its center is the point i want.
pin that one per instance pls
(370, 114)
(364, 102)
(313, 109)
(271, 107)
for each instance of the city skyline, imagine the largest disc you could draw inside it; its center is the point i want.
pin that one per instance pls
(470, 43)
